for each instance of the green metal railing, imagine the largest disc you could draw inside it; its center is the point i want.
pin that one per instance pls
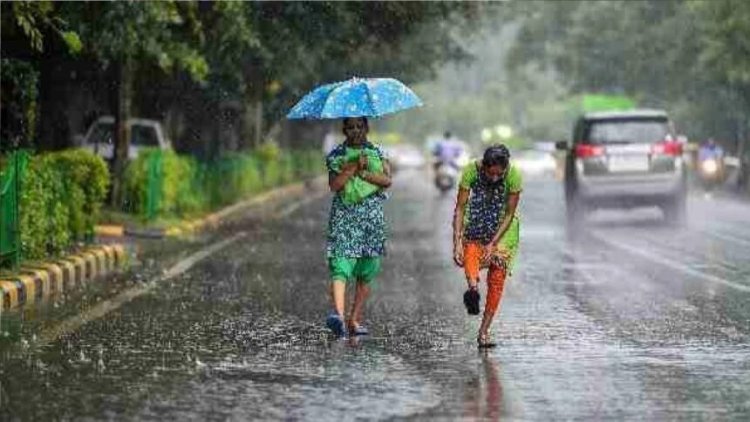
(10, 196)
(155, 182)
(203, 186)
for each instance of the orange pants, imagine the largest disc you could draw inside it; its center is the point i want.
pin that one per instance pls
(495, 276)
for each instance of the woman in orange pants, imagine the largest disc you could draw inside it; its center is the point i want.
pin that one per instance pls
(486, 230)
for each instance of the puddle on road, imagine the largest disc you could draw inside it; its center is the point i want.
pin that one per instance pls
(362, 382)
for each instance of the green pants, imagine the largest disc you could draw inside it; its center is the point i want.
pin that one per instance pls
(354, 269)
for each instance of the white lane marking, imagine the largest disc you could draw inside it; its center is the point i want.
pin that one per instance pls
(103, 308)
(715, 261)
(665, 261)
(291, 208)
(727, 237)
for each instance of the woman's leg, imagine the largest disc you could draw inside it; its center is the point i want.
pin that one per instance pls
(495, 286)
(472, 257)
(365, 271)
(341, 270)
(360, 298)
(338, 296)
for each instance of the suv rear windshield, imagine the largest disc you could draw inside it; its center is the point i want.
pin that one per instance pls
(642, 131)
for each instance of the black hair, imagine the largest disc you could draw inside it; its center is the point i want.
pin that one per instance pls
(364, 120)
(447, 134)
(496, 155)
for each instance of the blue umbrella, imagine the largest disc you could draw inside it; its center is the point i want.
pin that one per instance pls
(355, 97)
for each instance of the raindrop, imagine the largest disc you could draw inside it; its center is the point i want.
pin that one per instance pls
(100, 362)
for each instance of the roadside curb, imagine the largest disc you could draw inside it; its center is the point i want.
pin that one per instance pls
(37, 281)
(210, 221)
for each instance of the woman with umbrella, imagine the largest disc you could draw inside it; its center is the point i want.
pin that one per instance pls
(356, 228)
(359, 174)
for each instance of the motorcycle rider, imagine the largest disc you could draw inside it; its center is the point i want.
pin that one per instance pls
(710, 150)
(447, 150)
(711, 163)
(448, 153)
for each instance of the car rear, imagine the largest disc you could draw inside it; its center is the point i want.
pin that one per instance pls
(626, 160)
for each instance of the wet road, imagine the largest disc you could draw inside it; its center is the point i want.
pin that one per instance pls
(630, 320)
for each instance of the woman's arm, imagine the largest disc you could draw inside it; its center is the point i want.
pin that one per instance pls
(458, 225)
(382, 180)
(337, 182)
(510, 211)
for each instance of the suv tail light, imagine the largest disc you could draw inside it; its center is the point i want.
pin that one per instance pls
(673, 149)
(587, 150)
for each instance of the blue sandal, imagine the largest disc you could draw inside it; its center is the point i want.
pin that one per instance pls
(335, 323)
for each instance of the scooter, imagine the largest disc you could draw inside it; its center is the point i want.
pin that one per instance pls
(446, 174)
(711, 172)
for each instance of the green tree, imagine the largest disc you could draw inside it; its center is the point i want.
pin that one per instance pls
(26, 22)
(687, 57)
(127, 35)
(305, 44)
(725, 57)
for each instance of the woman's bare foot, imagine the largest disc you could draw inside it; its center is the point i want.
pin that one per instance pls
(484, 342)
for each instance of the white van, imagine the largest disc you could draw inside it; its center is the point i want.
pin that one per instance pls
(144, 133)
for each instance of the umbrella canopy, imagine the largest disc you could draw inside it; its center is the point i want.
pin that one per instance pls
(355, 97)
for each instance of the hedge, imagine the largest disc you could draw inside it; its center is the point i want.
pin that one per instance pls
(61, 197)
(188, 187)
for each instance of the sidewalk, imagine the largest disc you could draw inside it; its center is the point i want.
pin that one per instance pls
(117, 246)
(210, 221)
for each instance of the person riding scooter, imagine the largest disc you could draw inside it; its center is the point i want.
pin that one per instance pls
(450, 157)
(711, 163)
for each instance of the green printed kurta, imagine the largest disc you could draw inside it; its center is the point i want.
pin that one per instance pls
(486, 208)
(355, 230)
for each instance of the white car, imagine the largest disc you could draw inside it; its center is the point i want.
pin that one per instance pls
(403, 156)
(534, 162)
(144, 133)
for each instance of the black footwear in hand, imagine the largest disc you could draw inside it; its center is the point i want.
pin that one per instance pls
(471, 301)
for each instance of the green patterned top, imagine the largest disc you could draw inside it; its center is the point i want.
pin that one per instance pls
(486, 208)
(355, 230)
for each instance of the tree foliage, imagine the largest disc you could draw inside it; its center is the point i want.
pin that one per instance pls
(166, 33)
(247, 52)
(690, 57)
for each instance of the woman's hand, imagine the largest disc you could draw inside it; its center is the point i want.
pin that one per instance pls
(337, 182)
(458, 255)
(350, 168)
(362, 164)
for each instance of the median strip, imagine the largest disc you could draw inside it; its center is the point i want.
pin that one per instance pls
(38, 281)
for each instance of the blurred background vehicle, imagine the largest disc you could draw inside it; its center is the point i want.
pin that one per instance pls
(711, 172)
(624, 159)
(446, 176)
(535, 163)
(144, 133)
(450, 156)
(405, 156)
